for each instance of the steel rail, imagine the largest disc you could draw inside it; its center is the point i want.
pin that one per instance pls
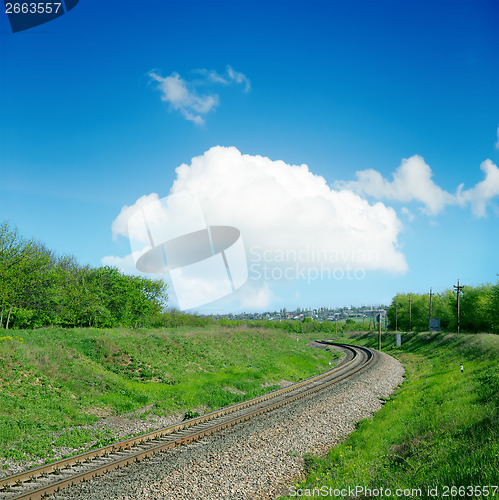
(171, 436)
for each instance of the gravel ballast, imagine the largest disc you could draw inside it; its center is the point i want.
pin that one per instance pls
(258, 459)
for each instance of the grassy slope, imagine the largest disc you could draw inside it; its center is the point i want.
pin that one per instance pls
(440, 428)
(53, 379)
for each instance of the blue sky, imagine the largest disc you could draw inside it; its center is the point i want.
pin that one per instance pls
(100, 106)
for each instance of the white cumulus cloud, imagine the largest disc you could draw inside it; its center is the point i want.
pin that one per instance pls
(293, 225)
(290, 220)
(286, 213)
(483, 192)
(120, 224)
(412, 181)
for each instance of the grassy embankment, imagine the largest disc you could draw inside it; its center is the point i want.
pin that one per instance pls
(439, 429)
(54, 381)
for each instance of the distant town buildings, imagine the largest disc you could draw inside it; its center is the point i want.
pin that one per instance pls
(320, 314)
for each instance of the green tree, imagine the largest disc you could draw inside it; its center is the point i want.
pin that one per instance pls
(494, 308)
(23, 273)
(38, 288)
(476, 308)
(479, 310)
(131, 300)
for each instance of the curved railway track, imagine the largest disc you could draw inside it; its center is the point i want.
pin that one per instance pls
(51, 478)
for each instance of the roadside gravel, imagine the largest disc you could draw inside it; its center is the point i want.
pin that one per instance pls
(258, 459)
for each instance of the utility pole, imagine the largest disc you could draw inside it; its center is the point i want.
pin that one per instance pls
(396, 318)
(379, 331)
(431, 296)
(410, 313)
(458, 291)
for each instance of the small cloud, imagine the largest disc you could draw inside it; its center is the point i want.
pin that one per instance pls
(497, 142)
(214, 77)
(482, 193)
(184, 96)
(239, 78)
(230, 76)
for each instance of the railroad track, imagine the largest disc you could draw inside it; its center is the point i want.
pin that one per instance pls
(51, 478)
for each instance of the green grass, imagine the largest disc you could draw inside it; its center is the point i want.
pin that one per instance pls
(54, 381)
(439, 429)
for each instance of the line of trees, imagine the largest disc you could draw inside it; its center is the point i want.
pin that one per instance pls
(39, 288)
(478, 310)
